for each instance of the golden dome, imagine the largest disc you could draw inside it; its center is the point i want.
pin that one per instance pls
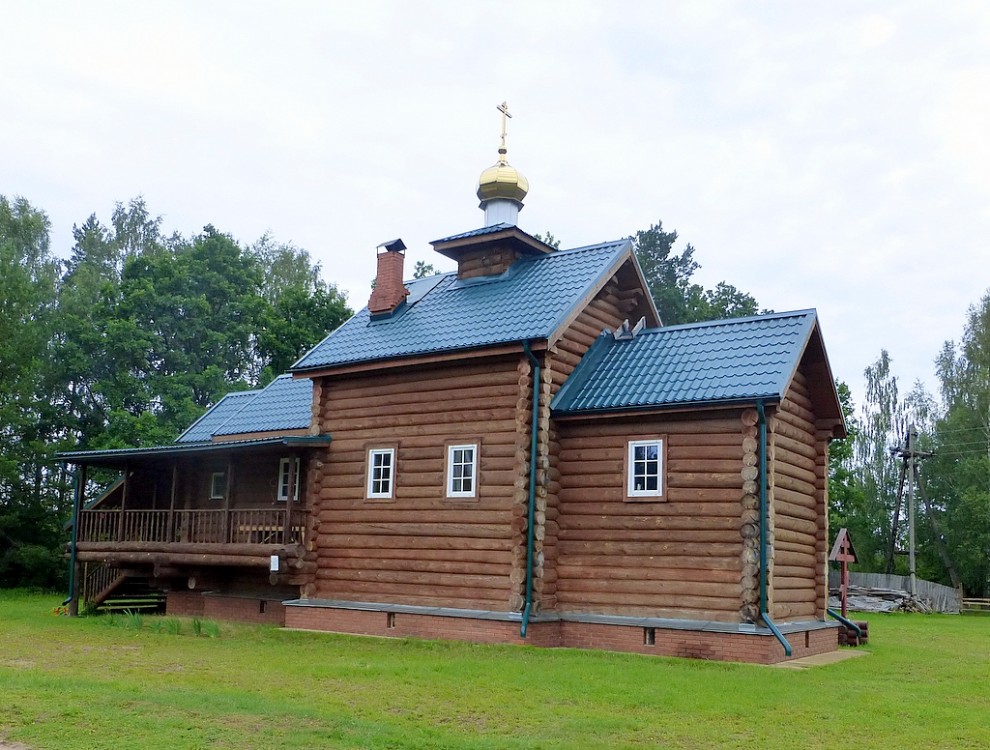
(501, 180)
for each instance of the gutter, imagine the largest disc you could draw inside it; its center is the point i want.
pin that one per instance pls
(764, 515)
(531, 516)
(76, 496)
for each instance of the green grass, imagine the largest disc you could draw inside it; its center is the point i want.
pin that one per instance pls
(80, 683)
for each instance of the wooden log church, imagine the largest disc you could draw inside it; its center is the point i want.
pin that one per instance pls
(517, 451)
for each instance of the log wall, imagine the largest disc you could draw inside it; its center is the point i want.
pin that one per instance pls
(606, 311)
(420, 547)
(799, 516)
(681, 557)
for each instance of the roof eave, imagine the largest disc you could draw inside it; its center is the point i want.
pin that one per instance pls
(114, 456)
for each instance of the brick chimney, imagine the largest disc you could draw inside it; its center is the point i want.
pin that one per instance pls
(389, 291)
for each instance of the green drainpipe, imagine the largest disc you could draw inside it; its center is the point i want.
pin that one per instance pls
(848, 623)
(764, 515)
(75, 538)
(531, 516)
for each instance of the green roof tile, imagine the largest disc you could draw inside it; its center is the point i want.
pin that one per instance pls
(529, 301)
(742, 359)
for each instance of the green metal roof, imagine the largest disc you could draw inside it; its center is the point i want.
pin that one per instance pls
(284, 404)
(118, 457)
(529, 301)
(203, 428)
(723, 361)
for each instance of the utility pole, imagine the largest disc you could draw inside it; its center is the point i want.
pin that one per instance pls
(909, 456)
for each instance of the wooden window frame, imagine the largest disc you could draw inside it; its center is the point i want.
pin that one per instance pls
(645, 496)
(282, 486)
(449, 447)
(381, 450)
(222, 475)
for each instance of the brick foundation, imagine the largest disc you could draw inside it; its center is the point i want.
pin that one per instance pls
(757, 647)
(184, 604)
(225, 607)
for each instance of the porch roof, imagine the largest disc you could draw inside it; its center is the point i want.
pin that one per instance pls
(119, 457)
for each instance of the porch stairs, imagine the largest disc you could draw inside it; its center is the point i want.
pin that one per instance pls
(107, 588)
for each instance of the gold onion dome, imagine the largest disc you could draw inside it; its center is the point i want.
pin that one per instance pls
(502, 180)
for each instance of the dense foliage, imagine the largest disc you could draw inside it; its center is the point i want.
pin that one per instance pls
(124, 344)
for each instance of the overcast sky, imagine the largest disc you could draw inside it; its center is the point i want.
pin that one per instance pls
(830, 155)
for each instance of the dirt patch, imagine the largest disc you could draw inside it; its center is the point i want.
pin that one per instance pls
(4, 745)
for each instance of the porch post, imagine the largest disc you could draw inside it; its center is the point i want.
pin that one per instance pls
(226, 501)
(75, 569)
(290, 495)
(171, 535)
(123, 501)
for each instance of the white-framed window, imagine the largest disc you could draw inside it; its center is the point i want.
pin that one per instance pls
(218, 485)
(644, 468)
(283, 479)
(381, 473)
(462, 470)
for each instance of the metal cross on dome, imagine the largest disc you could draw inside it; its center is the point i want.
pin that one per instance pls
(504, 109)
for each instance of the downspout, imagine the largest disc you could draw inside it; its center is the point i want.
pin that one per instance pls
(845, 621)
(75, 539)
(531, 515)
(764, 515)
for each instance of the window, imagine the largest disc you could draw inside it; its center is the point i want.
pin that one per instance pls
(283, 479)
(462, 470)
(644, 468)
(218, 485)
(381, 473)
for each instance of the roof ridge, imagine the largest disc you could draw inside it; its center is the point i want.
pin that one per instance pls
(731, 321)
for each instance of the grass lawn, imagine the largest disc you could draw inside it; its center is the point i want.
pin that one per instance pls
(86, 683)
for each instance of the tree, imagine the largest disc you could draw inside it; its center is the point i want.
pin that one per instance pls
(845, 491)
(668, 277)
(32, 490)
(957, 477)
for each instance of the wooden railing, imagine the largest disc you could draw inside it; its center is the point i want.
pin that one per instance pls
(259, 526)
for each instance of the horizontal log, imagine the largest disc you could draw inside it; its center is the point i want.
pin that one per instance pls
(797, 559)
(588, 448)
(793, 595)
(445, 379)
(382, 513)
(599, 429)
(670, 508)
(796, 485)
(795, 446)
(785, 535)
(194, 548)
(783, 429)
(386, 593)
(642, 522)
(805, 580)
(799, 473)
(415, 578)
(648, 611)
(656, 536)
(703, 465)
(671, 604)
(783, 507)
(795, 546)
(339, 540)
(426, 401)
(686, 550)
(796, 415)
(794, 611)
(789, 523)
(464, 424)
(161, 558)
(426, 564)
(669, 562)
(780, 453)
(694, 580)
